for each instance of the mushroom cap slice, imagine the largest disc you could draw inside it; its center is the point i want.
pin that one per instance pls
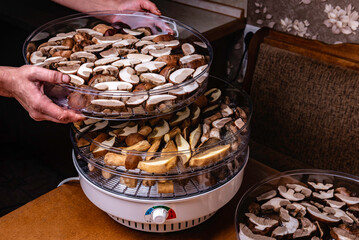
(95, 47)
(89, 31)
(246, 234)
(37, 57)
(339, 233)
(195, 136)
(307, 229)
(105, 61)
(324, 194)
(108, 103)
(71, 69)
(132, 32)
(79, 55)
(156, 99)
(347, 199)
(261, 223)
(289, 224)
(154, 78)
(160, 52)
(85, 70)
(219, 123)
(136, 100)
(152, 66)
(180, 116)
(142, 57)
(99, 125)
(335, 204)
(160, 130)
(320, 186)
(184, 149)
(76, 80)
(166, 85)
(192, 61)
(275, 204)
(322, 217)
(113, 86)
(299, 188)
(143, 43)
(290, 194)
(125, 42)
(110, 53)
(170, 44)
(210, 156)
(158, 165)
(126, 63)
(180, 75)
(296, 209)
(106, 69)
(129, 75)
(267, 195)
(336, 212)
(188, 49)
(146, 49)
(106, 39)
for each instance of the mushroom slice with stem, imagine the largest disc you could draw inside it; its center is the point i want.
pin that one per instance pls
(153, 78)
(100, 151)
(246, 234)
(347, 199)
(113, 86)
(162, 164)
(146, 49)
(296, 209)
(37, 57)
(165, 187)
(127, 130)
(307, 230)
(95, 48)
(180, 75)
(210, 156)
(267, 195)
(106, 69)
(110, 53)
(159, 131)
(106, 61)
(154, 100)
(142, 57)
(342, 234)
(289, 224)
(336, 212)
(261, 224)
(159, 52)
(275, 204)
(324, 194)
(76, 80)
(126, 63)
(188, 49)
(152, 66)
(183, 149)
(71, 69)
(83, 57)
(320, 186)
(153, 149)
(85, 70)
(141, 146)
(125, 43)
(321, 216)
(129, 75)
(290, 194)
(192, 61)
(299, 188)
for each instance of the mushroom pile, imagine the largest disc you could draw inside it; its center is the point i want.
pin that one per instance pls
(126, 68)
(314, 210)
(194, 137)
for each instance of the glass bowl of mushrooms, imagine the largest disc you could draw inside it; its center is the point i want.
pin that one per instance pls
(301, 204)
(123, 65)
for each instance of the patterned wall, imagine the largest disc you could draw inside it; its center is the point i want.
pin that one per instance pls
(330, 21)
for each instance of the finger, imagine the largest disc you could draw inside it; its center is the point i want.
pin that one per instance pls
(46, 75)
(150, 6)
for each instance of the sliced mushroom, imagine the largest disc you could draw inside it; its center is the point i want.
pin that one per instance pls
(146, 49)
(161, 38)
(106, 69)
(159, 131)
(173, 44)
(156, 99)
(342, 234)
(261, 224)
(246, 234)
(89, 31)
(183, 149)
(114, 159)
(347, 199)
(146, 30)
(336, 212)
(152, 66)
(71, 69)
(136, 100)
(290, 194)
(106, 39)
(109, 103)
(320, 186)
(299, 188)
(213, 95)
(188, 49)
(142, 57)
(95, 48)
(153, 78)
(110, 53)
(76, 80)
(125, 43)
(192, 61)
(335, 204)
(141, 146)
(170, 60)
(322, 217)
(125, 51)
(85, 70)
(239, 123)
(194, 137)
(106, 61)
(323, 194)
(102, 28)
(124, 132)
(210, 156)
(296, 209)
(99, 125)
(166, 85)
(219, 123)
(37, 57)
(83, 57)
(143, 43)
(159, 52)
(99, 78)
(126, 63)
(200, 70)
(180, 75)
(226, 110)
(275, 204)
(267, 195)
(129, 75)
(307, 230)
(180, 116)
(171, 134)
(112, 86)
(100, 151)
(289, 226)
(132, 32)
(215, 133)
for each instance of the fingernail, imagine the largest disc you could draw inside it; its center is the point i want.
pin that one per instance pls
(65, 78)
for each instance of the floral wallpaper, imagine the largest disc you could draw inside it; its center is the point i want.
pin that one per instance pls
(330, 21)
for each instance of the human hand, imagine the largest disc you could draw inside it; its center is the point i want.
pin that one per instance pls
(25, 84)
(118, 5)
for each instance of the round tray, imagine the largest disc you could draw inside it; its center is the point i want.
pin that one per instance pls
(301, 177)
(119, 102)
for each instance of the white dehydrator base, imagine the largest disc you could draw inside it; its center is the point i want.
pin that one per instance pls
(189, 212)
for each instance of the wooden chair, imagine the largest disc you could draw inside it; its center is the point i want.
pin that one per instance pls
(306, 102)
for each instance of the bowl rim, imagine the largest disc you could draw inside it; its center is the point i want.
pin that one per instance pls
(334, 173)
(94, 14)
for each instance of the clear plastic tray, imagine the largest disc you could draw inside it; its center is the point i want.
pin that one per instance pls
(232, 147)
(92, 97)
(300, 177)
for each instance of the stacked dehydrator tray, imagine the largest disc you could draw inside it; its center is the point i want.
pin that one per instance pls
(164, 145)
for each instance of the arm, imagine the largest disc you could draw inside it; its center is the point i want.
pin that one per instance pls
(100, 5)
(25, 84)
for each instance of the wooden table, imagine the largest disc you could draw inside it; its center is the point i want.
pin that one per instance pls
(66, 213)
